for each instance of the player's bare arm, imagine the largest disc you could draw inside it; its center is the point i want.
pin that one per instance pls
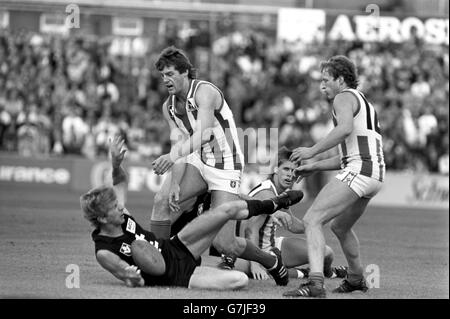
(117, 150)
(131, 275)
(344, 105)
(329, 164)
(176, 137)
(164, 162)
(208, 100)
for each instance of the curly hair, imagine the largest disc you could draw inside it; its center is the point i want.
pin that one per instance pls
(96, 203)
(172, 56)
(340, 65)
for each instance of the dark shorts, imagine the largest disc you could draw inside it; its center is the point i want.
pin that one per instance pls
(180, 265)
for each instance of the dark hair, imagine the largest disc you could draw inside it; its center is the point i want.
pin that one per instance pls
(176, 57)
(340, 65)
(283, 155)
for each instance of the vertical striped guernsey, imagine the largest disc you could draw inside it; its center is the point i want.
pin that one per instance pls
(266, 234)
(223, 150)
(362, 150)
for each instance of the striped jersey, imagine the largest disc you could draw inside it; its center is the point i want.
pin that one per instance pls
(223, 150)
(266, 234)
(362, 151)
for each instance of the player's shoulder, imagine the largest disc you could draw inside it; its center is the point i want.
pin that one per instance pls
(346, 95)
(345, 98)
(207, 88)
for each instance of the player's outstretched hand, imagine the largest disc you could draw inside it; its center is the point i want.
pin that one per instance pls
(162, 164)
(174, 197)
(282, 219)
(133, 277)
(301, 153)
(258, 272)
(303, 171)
(117, 149)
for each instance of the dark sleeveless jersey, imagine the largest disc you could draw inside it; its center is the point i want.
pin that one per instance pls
(180, 264)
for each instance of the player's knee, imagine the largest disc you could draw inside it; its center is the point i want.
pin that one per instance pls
(161, 198)
(231, 208)
(160, 202)
(229, 246)
(310, 221)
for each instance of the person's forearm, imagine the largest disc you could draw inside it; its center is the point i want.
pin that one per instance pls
(335, 137)
(118, 174)
(329, 164)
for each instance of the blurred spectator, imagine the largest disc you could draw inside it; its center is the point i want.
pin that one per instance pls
(268, 84)
(74, 131)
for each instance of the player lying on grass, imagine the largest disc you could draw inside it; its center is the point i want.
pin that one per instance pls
(137, 257)
(262, 229)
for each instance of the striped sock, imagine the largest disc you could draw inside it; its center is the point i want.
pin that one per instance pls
(317, 278)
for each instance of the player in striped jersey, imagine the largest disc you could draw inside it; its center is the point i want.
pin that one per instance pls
(262, 229)
(206, 153)
(344, 199)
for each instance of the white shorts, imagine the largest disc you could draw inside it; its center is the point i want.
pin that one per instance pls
(217, 179)
(365, 187)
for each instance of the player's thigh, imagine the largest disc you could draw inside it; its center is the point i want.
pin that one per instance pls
(334, 198)
(220, 197)
(345, 221)
(294, 251)
(192, 184)
(215, 278)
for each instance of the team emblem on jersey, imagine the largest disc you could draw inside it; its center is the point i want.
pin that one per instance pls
(125, 249)
(233, 184)
(131, 226)
(139, 237)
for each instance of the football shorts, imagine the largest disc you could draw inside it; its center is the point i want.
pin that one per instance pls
(217, 179)
(363, 186)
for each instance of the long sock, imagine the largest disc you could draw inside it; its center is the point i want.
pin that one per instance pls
(161, 228)
(252, 252)
(260, 207)
(327, 270)
(316, 278)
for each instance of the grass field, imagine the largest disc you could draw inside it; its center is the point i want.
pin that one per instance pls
(43, 232)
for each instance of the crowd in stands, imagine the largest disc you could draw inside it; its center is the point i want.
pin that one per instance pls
(61, 96)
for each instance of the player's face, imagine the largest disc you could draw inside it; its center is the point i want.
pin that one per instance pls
(173, 79)
(116, 214)
(285, 174)
(328, 85)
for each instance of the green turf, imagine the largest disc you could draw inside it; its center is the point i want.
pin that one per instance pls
(42, 232)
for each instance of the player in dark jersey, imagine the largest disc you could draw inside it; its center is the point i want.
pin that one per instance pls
(139, 258)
